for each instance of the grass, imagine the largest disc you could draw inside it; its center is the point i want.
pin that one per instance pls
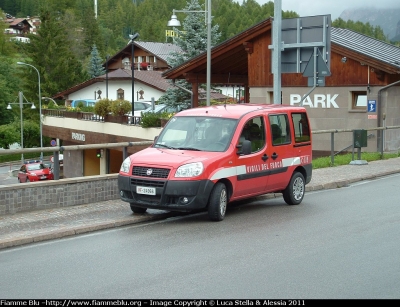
(347, 158)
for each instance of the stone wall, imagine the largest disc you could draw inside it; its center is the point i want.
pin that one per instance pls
(58, 193)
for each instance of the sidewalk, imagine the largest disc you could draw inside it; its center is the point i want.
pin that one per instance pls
(35, 226)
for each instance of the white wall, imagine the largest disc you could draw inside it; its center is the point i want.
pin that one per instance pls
(89, 91)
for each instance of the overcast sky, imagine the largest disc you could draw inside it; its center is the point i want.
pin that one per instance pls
(333, 7)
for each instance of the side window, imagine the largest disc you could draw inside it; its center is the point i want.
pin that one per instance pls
(359, 100)
(280, 129)
(301, 127)
(254, 131)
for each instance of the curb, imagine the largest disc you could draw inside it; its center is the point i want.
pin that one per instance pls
(78, 230)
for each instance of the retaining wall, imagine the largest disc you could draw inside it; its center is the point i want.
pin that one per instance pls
(58, 193)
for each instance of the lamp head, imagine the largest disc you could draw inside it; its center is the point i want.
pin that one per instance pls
(33, 106)
(174, 22)
(9, 107)
(133, 36)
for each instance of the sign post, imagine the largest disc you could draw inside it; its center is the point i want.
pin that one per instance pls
(299, 43)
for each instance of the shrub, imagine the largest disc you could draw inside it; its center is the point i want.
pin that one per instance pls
(102, 107)
(120, 107)
(88, 109)
(150, 119)
(80, 105)
(52, 105)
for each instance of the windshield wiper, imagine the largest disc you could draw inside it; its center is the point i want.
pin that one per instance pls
(165, 146)
(188, 148)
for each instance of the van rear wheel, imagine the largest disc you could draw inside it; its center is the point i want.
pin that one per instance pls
(218, 202)
(137, 209)
(294, 192)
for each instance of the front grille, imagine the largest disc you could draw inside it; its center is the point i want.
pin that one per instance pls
(154, 172)
(147, 183)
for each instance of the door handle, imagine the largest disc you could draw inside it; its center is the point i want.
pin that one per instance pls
(274, 156)
(264, 157)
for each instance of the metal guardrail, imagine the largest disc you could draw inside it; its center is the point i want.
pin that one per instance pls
(56, 149)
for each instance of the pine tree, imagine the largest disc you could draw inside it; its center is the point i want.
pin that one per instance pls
(193, 41)
(95, 67)
(50, 52)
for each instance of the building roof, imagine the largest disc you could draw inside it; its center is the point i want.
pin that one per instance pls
(161, 50)
(149, 77)
(230, 58)
(381, 51)
(14, 22)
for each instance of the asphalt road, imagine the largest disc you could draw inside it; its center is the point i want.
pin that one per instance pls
(339, 243)
(5, 178)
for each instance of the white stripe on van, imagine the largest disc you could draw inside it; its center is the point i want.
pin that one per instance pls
(229, 172)
(290, 161)
(241, 169)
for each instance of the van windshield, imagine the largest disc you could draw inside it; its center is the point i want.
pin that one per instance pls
(197, 133)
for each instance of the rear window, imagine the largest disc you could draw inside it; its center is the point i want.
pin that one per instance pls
(301, 127)
(35, 167)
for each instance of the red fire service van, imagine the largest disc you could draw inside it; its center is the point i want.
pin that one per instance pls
(205, 158)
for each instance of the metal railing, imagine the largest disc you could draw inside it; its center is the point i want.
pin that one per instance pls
(332, 138)
(56, 149)
(90, 116)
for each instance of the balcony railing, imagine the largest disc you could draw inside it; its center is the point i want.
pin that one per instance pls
(89, 116)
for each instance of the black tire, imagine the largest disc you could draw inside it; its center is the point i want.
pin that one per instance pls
(137, 209)
(294, 192)
(19, 180)
(218, 202)
(27, 180)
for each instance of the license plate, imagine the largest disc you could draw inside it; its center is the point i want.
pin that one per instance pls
(146, 190)
(43, 177)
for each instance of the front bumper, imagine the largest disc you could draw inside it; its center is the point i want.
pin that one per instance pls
(171, 195)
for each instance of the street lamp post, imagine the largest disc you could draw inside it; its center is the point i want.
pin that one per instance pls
(21, 103)
(40, 108)
(107, 57)
(174, 22)
(49, 98)
(133, 37)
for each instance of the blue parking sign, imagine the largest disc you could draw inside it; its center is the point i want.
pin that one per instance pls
(371, 105)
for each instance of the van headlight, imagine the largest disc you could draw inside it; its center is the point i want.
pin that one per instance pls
(190, 170)
(126, 165)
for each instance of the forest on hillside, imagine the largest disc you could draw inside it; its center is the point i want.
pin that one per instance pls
(116, 19)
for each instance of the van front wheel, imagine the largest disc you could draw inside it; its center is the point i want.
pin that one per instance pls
(294, 192)
(137, 209)
(218, 202)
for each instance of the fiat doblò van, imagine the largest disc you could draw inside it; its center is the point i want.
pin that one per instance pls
(205, 158)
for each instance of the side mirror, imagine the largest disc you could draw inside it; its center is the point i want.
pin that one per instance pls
(245, 148)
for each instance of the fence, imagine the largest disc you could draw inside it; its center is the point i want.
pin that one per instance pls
(332, 133)
(91, 189)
